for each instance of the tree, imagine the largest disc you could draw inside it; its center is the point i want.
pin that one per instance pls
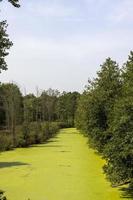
(14, 3)
(98, 101)
(118, 152)
(81, 112)
(48, 101)
(12, 102)
(67, 106)
(29, 102)
(5, 42)
(5, 45)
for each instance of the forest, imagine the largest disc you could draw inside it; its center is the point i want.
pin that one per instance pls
(30, 119)
(103, 113)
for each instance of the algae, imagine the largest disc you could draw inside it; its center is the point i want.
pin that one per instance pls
(63, 169)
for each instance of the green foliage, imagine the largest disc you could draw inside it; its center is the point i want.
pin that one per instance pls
(5, 42)
(32, 119)
(81, 112)
(96, 103)
(29, 107)
(48, 101)
(36, 133)
(6, 142)
(5, 45)
(119, 152)
(12, 101)
(105, 114)
(50, 129)
(11, 98)
(66, 107)
(25, 138)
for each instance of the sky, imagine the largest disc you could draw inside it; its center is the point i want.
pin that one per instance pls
(59, 44)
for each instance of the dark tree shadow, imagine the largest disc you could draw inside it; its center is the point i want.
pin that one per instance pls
(46, 146)
(127, 193)
(11, 164)
(50, 141)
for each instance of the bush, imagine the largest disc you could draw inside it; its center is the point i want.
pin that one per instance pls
(30, 133)
(50, 129)
(36, 133)
(6, 142)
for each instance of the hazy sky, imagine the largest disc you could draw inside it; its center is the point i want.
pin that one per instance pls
(61, 43)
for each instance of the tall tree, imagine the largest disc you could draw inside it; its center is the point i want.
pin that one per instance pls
(66, 107)
(48, 100)
(12, 102)
(99, 98)
(5, 45)
(29, 103)
(119, 152)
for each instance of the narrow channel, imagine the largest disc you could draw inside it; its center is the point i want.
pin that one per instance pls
(65, 168)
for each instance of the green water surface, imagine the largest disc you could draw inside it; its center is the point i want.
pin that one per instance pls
(63, 169)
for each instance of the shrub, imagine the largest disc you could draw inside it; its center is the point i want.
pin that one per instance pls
(6, 142)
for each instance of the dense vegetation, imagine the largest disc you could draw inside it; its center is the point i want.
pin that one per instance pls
(29, 119)
(105, 114)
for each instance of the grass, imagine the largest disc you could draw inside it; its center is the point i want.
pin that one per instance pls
(63, 169)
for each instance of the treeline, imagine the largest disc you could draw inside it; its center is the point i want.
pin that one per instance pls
(105, 114)
(30, 119)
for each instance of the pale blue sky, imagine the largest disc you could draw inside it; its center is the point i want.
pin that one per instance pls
(61, 43)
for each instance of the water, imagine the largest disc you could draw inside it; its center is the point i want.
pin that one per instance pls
(63, 169)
